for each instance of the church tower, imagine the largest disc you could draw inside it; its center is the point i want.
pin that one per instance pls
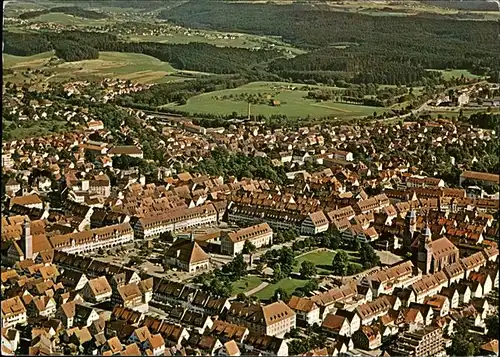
(424, 261)
(27, 239)
(410, 228)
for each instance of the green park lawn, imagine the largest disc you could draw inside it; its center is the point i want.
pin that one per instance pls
(323, 260)
(292, 102)
(245, 284)
(289, 285)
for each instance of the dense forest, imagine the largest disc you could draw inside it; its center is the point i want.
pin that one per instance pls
(73, 51)
(193, 56)
(69, 10)
(388, 49)
(25, 44)
(348, 47)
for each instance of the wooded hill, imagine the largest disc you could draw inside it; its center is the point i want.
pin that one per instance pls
(383, 49)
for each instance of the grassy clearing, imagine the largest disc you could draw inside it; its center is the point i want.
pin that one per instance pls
(292, 102)
(37, 128)
(323, 260)
(457, 73)
(289, 285)
(35, 61)
(136, 67)
(455, 113)
(245, 284)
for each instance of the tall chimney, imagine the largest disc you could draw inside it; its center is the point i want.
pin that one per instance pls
(28, 239)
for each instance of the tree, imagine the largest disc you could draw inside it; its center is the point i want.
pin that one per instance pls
(294, 333)
(310, 286)
(241, 297)
(335, 239)
(249, 247)
(287, 260)
(220, 287)
(90, 156)
(368, 256)
(492, 324)
(325, 241)
(307, 269)
(280, 294)
(340, 263)
(356, 245)
(352, 269)
(298, 245)
(463, 342)
(238, 267)
(278, 274)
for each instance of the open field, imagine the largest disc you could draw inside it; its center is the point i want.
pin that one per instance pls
(455, 113)
(37, 128)
(287, 284)
(323, 260)
(136, 67)
(291, 98)
(405, 8)
(35, 61)
(457, 73)
(65, 19)
(245, 284)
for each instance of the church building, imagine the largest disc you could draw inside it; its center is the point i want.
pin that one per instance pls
(430, 256)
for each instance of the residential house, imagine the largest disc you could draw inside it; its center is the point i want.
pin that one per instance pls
(464, 291)
(367, 338)
(353, 318)
(259, 235)
(85, 315)
(226, 331)
(439, 303)
(274, 319)
(490, 348)
(230, 348)
(336, 325)
(97, 290)
(43, 305)
(306, 310)
(264, 345)
(13, 312)
(73, 279)
(377, 308)
(314, 223)
(130, 150)
(483, 279)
